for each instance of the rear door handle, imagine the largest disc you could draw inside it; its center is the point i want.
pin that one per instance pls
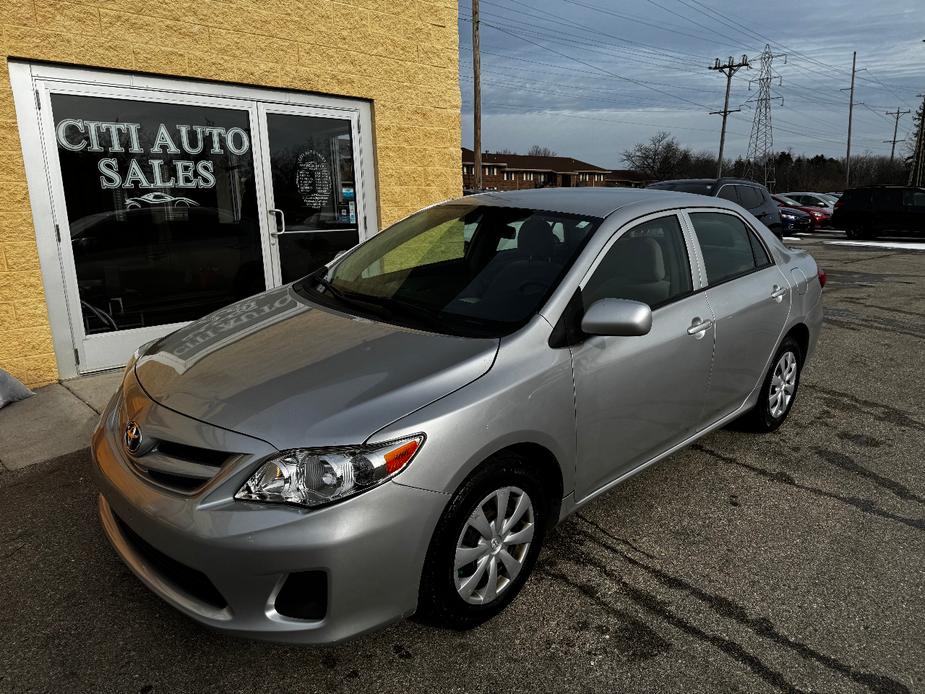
(699, 328)
(778, 293)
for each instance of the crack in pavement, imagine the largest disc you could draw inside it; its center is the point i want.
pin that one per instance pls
(890, 415)
(904, 312)
(729, 609)
(658, 607)
(851, 325)
(849, 465)
(77, 395)
(865, 505)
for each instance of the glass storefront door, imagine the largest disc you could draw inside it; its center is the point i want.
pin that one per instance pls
(170, 206)
(312, 196)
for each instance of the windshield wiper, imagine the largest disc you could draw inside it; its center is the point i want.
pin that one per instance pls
(368, 306)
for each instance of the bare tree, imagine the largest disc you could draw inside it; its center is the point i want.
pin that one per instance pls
(540, 151)
(660, 158)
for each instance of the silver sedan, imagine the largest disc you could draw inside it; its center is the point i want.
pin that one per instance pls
(397, 432)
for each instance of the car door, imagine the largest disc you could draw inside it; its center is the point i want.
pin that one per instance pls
(888, 203)
(638, 396)
(914, 210)
(750, 299)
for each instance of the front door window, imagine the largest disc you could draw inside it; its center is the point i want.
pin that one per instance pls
(161, 209)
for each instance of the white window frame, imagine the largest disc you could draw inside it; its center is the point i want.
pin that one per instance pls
(31, 96)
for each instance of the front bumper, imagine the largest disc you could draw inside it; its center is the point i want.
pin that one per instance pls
(370, 548)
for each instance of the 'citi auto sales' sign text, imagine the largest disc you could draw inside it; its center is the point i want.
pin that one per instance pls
(78, 135)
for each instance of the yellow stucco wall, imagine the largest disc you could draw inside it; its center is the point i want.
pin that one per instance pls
(401, 54)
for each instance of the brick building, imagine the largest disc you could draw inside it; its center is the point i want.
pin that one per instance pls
(519, 171)
(151, 154)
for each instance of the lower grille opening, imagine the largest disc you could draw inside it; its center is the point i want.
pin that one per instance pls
(191, 581)
(304, 595)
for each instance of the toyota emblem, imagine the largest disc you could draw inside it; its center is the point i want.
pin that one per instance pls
(132, 436)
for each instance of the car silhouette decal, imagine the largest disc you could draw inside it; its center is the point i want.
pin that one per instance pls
(152, 199)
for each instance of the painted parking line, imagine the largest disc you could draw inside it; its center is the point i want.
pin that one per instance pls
(899, 245)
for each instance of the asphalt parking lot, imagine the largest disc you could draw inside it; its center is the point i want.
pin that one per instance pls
(788, 562)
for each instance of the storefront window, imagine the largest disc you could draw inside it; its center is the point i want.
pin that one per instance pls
(161, 207)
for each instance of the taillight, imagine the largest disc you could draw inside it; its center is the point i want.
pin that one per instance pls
(822, 277)
(839, 203)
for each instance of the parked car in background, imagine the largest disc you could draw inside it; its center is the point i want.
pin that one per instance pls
(812, 200)
(795, 221)
(835, 194)
(754, 197)
(820, 215)
(870, 211)
(398, 431)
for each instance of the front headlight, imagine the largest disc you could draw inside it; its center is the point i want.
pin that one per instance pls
(789, 217)
(317, 476)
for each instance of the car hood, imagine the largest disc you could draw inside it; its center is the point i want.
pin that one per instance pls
(292, 373)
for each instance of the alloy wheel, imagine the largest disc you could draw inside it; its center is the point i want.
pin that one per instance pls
(493, 545)
(783, 384)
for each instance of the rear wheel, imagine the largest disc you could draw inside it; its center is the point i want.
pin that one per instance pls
(779, 390)
(485, 545)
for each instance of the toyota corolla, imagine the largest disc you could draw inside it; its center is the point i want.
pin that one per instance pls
(397, 432)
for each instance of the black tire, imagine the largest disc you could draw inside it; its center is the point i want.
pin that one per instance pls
(762, 419)
(439, 602)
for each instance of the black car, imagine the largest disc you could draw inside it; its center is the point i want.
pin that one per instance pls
(793, 220)
(870, 211)
(754, 197)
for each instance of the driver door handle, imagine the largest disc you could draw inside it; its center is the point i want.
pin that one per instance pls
(778, 293)
(699, 327)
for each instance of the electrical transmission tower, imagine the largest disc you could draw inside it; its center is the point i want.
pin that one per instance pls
(759, 159)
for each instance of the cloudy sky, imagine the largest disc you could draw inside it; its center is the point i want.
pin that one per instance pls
(589, 78)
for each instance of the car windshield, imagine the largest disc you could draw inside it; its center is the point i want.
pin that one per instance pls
(456, 268)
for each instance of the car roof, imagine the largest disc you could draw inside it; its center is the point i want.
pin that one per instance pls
(597, 202)
(723, 179)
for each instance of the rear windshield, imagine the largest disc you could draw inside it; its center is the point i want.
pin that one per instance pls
(457, 268)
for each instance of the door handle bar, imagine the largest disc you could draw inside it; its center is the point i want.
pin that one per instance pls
(778, 292)
(280, 228)
(699, 327)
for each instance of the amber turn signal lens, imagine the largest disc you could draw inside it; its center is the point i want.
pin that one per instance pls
(396, 459)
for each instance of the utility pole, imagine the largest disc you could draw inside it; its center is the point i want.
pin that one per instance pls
(477, 99)
(854, 57)
(917, 172)
(728, 69)
(899, 114)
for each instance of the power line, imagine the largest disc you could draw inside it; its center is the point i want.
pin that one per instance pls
(595, 67)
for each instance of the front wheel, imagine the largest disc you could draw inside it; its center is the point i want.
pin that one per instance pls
(485, 545)
(779, 389)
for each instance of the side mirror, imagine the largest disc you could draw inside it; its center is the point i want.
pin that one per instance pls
(617, 317)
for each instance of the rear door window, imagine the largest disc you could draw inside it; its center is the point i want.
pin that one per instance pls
(728, 192)
(750, 197)
(889, 199)
(729, 248)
